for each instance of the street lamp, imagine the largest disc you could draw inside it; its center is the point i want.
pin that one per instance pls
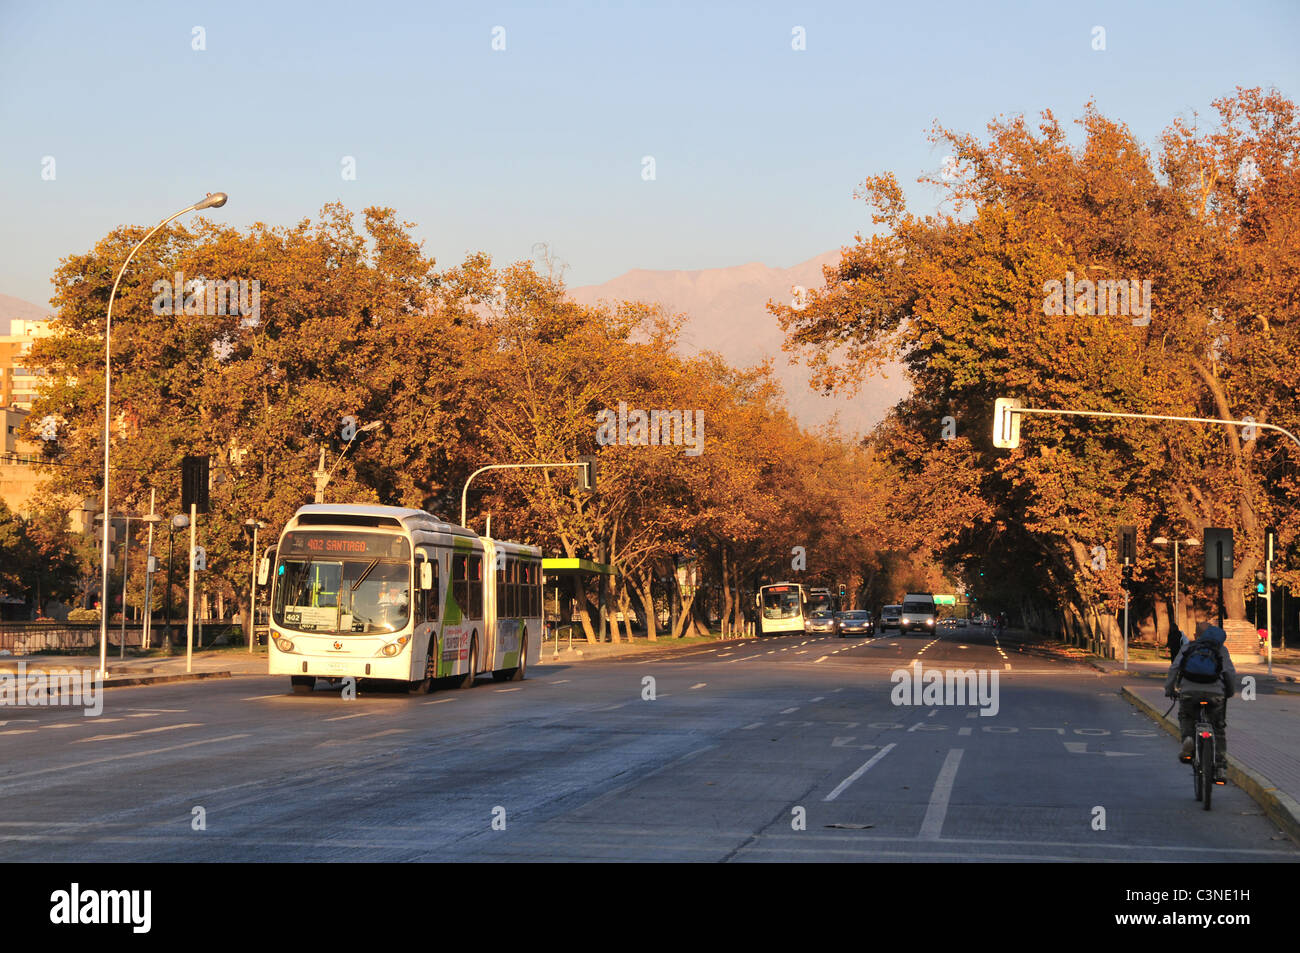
(212, 200)
(323, 478)
(1163, 541)
(251, 526)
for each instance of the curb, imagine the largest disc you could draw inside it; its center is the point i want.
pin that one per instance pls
(1281, 808)
(113, 682)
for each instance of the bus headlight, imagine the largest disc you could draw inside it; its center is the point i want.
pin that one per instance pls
(392, 648)
(284, 645)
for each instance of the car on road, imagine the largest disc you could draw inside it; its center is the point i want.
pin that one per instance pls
(823, 621)
(890, 616)
(855, 622)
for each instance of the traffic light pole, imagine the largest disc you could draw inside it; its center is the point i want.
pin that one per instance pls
(189, 618)
(464, 493)
(1003, 429)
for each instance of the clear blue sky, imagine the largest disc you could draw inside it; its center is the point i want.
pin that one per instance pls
(758, 148)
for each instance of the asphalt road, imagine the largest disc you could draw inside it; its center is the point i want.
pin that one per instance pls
(779, 749)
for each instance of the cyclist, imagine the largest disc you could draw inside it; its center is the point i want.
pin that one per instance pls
(1195, 663)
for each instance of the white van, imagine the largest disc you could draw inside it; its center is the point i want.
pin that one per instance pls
(918, 613)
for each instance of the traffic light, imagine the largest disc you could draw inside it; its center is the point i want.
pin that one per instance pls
(1218, 553)
(1270, 544)
(1128, 545)
(194, 484)
(843, 590)
(1259, 583)
(587, 474)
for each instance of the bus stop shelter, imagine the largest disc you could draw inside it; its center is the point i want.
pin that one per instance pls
(564, 582)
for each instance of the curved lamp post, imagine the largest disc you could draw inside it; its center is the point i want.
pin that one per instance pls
(212, 200)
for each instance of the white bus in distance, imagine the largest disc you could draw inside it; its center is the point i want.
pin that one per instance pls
(781, 609)
(395, 595)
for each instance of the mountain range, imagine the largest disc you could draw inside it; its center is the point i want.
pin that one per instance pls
(726, 311)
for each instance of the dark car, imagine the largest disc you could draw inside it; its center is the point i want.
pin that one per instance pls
(855, 622)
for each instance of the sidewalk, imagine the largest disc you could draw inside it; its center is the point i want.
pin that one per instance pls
(144, 671)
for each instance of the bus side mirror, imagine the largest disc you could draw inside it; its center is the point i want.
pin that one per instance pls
(263, 571)
(426, 575)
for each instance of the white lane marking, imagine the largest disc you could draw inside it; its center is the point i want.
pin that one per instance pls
(700, 685)
(612, 707)
(933, 713)
(1009, 665)
(134, 734)
(440, 701)
(819, 698)
(559, 681)
(843, 785)
(258, 698)
(964, 731)
(786, 711)
(146, 714)
(754, 725)
(932, 826)
(822, 659)
(174, 711)
(19, 731)
(360, 714)
(119, 757)
(500, 690)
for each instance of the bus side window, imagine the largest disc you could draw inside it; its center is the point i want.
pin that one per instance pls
(512, 581)
(502, 575)
(474, 604)
(460, 582)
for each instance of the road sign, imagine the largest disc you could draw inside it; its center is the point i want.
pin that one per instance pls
(1006, 425)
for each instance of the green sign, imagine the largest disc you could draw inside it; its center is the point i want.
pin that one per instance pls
(945, 600)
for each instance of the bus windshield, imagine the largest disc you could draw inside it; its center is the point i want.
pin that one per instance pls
(365, 591)
(781, 603)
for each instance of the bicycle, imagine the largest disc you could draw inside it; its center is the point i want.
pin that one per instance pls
(1203, 755)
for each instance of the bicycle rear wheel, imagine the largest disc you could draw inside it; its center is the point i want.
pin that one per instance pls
(1196, 773)
(1207, 767)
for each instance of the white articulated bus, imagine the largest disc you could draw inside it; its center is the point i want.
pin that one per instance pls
(781, 609)
(393, 594)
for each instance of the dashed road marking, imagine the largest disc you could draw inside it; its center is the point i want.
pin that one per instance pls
(135, 734)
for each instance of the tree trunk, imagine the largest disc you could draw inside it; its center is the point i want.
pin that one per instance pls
(727, 600)
(645, 592)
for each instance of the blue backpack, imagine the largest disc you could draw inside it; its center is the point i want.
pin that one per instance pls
(1201, 663)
